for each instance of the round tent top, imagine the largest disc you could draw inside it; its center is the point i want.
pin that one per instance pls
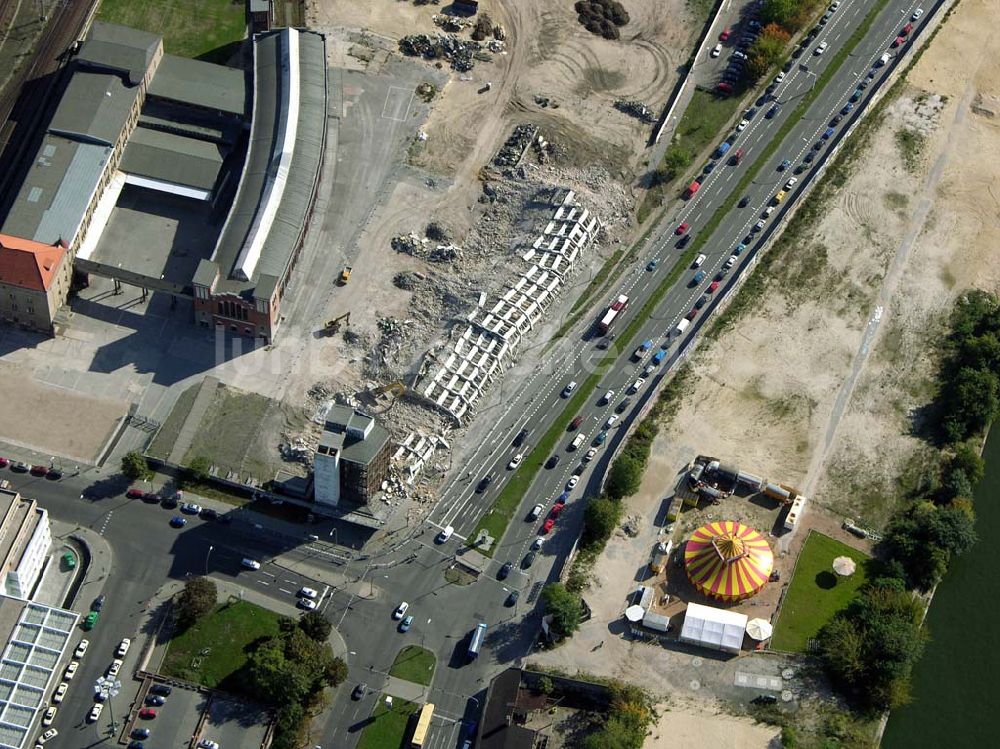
(844, 566)
(635, 613)
(727, 560)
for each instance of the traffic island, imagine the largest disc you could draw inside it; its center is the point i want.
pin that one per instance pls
(414, 663)
(388, 723)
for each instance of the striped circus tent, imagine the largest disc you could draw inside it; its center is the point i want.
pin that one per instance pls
(727, 560)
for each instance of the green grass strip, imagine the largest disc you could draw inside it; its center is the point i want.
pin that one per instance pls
(495, 521)
(386, 728)
(414, 663)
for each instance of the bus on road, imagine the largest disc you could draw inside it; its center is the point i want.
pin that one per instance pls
(423, 725)
(478, 635)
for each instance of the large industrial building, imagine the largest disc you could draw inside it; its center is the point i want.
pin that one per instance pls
(173, 175)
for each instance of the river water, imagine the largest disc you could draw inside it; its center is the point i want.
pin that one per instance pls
(958, 677)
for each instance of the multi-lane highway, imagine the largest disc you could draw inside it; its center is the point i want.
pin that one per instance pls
(363, 590)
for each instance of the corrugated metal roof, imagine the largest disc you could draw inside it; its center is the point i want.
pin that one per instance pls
(94, 106)
(172, 158)
(269, 55)
(57, 190)
(200, 83)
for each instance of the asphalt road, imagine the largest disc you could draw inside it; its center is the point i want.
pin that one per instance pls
(147, 551)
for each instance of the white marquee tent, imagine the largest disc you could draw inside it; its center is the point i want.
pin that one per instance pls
(713, 628)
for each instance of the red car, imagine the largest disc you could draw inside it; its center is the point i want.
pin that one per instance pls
(39, 470)
(4, 462)
(556, 509)
(135, 494)
(682, 228)
(724, 35)
(147, 713)
(899, 40)
(547, 525)
(576, 422)
(724, 88)
(692, 314)
(906, 29)
(713, 286)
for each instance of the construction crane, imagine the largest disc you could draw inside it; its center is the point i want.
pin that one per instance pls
(334, 325)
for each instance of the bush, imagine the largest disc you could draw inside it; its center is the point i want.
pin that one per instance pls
(922, 539)
(198, 468)
(624, 477)
(317, 626)
(601, 17)
(135, 467)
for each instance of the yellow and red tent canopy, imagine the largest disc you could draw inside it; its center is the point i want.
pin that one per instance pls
(727, 560)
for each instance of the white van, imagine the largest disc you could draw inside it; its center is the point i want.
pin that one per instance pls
(607, 397)
(445, 534)
(577, 441)
(698, 261)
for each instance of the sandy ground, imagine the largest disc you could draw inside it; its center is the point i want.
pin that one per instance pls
(693, 725)
(814, 387)
(47, 419)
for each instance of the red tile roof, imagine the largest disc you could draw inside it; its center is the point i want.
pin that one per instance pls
(28, 264)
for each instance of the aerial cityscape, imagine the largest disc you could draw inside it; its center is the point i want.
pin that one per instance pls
(457, 374)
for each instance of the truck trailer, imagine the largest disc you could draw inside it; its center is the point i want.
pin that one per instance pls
(611, 314)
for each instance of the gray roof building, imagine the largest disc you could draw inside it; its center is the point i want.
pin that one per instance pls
(166, 157)
(94, 107)
(201, 84)
(282, 165)
(128, 50)
(57, 190)
(358, 437)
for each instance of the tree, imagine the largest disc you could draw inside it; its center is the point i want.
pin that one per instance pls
(197, 599)
(135, 467)
(336, 672)
(956, 484)
(565, 608)
(600, 520)
(870, 647)
(624, 477)
(973, 399)
(968, 460)
(922, 539)
(317, 626)
(197, 469)
(777, 11)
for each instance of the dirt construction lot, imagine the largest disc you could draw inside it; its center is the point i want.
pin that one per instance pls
(818, 382)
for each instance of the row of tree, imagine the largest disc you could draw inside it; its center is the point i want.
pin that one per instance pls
(626, 723)
(870, 647)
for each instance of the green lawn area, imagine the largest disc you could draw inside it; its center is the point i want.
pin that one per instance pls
(414, 663)
(816, 593)
(702, 124)
(190, 28)
(387, 728)
(225, 633)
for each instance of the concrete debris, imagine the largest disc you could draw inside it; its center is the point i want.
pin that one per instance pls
(411, 244)
(636, 109)
(408, 280)
(514, 147)
(458, 52)
(449, 23)
(499, 33)
(296, 451)
(632, 525)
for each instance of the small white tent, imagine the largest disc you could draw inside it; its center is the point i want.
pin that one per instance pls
(713, 628)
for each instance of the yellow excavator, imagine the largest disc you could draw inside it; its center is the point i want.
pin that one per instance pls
(334, 325)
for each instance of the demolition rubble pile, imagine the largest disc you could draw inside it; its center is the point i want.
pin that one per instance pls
(636, 109)
(456, 376)
(513, 149)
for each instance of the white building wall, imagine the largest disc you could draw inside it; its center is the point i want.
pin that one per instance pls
(326, 478)
(21, 580)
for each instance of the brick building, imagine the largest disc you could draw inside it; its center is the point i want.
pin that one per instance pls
(352, 459)
(34, 282)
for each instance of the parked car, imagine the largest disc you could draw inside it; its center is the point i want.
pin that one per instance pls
(20, 467)
(70, 671)
(505, 570)
(548, 525)
(916, 14)
(95, 712)
(529, 559)
(155, 700)
(307, 593)
(190, 508)
(147, 713)
(512, 597)
(134, 493)
(573, 481)
(60, 693)
(716, 50)
(164, 689)
(601, 437)
(770, 113)
(590, 455)
(123, 647)
(682, 228)
(115, 667)
(81, 649)
(140, 733)
(178, 522)
(49, 715)
(207, 513)
(39, 470)
(250, 564)
(208, 744)
(47, 736)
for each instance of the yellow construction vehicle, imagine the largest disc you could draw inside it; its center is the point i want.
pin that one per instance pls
(345, 275)
(334, 325)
